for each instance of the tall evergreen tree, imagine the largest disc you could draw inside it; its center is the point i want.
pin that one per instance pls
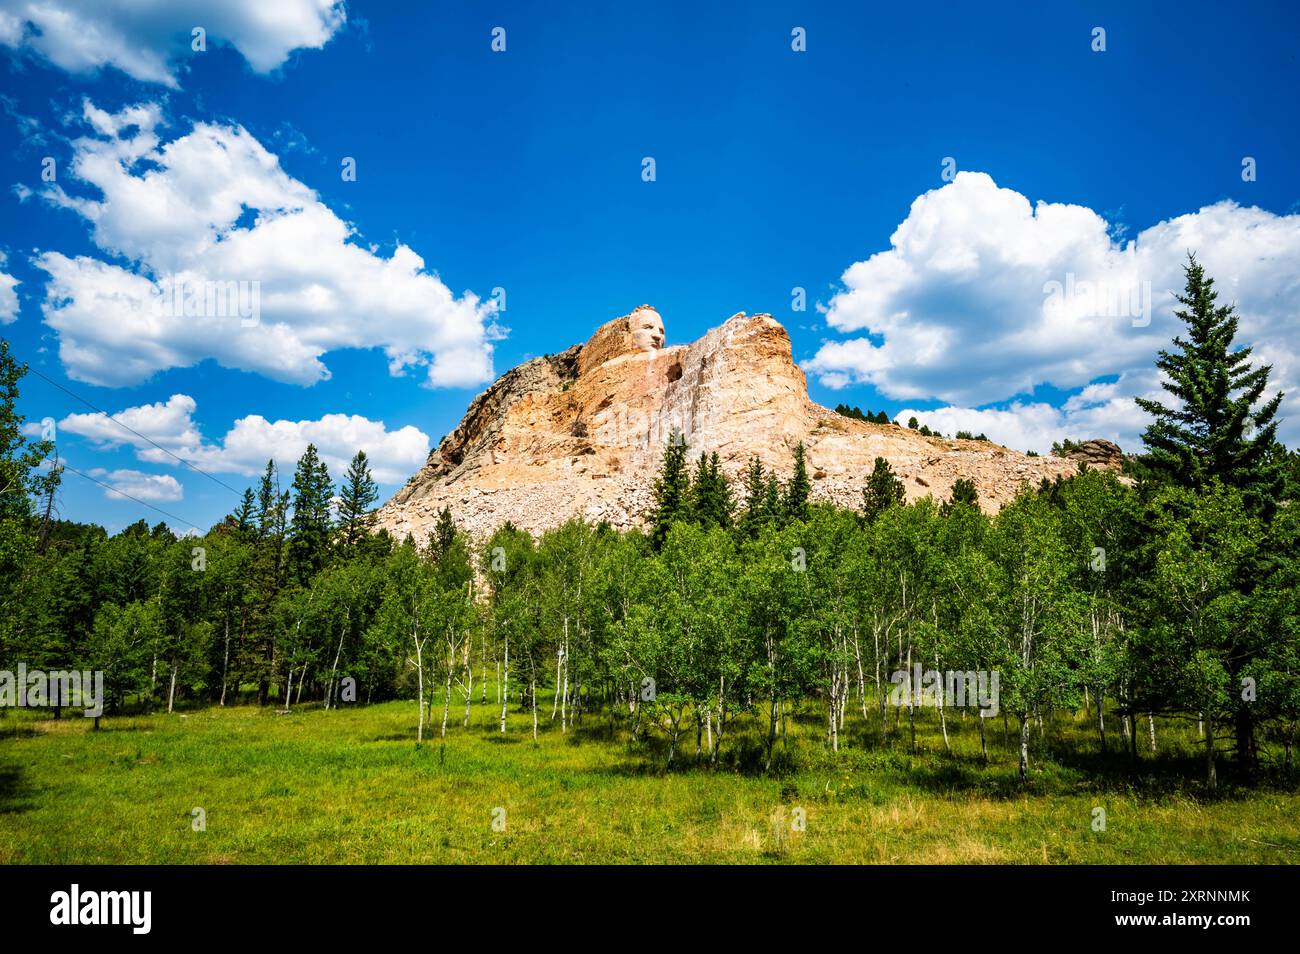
(268, 575)
(356, 496)
(671, 489)
(443, 536)
(883, 490)
(310, 527)
(711, 502)
(755, 513)
(772, 507)
(20, 478)
(795, 503)
(245, 515)
(1216, 431)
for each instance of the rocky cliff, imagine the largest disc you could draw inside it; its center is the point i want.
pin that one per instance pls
(582, 432)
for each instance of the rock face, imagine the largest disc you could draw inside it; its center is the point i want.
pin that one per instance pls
(1099, 455)
(582, 433)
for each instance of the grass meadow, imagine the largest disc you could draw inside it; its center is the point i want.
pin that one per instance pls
(350, 786)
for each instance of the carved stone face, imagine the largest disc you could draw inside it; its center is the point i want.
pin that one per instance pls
(647, 329)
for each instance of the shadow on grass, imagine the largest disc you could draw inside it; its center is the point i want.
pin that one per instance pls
(597, 730)
(648, 756)
(13, 790)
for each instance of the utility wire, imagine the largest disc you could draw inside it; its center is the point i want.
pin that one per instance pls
(129, 497)
(143, 437)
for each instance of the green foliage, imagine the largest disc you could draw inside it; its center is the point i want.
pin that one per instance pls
(795, 504)
(443, 536)
(883, 490)
(671, 489)
(964, 493)
(356, 498)
(21, 539)
(310, 527)
(1222, 427)
(760, 509)
(244, 517)
(711, 503)
(857, 414)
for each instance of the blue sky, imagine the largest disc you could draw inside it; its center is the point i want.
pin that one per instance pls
(522, 170)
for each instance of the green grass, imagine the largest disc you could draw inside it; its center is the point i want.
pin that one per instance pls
(350, 786)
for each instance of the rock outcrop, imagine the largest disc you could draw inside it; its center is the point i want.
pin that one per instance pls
(1098, 454)
(582, 433)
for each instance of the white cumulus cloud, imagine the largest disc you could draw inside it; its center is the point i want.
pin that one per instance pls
(253, 440)
(8, 296)
(147, 39)
(120, 484)
(1099, 410)
(983, 296)
(233, 259)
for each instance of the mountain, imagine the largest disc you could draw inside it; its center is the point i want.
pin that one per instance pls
(582, 432)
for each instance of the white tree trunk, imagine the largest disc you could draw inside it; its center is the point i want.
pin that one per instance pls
(1024, 747)
(446, 702)
(225, 664)
(331, 688)
(503, 689)
(564, 695)
(419, 673)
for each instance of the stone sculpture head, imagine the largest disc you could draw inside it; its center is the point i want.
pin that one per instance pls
(647, 329)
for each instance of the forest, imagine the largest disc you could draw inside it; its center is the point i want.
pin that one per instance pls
(1166, 593)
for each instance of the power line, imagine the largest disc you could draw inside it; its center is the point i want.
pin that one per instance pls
(143, 437)
(129, 497)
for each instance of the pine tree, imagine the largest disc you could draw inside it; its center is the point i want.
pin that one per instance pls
(23, 572)
(20, 457)
(310, 527)
(244, 516)
(963, 492)
(883, 490)
(755, 512)
(357, 495)
(773, 512)
(268, 575)
(1215, 432)
(443, 536)
(795, 503)
(711, 502)
(671, 489)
